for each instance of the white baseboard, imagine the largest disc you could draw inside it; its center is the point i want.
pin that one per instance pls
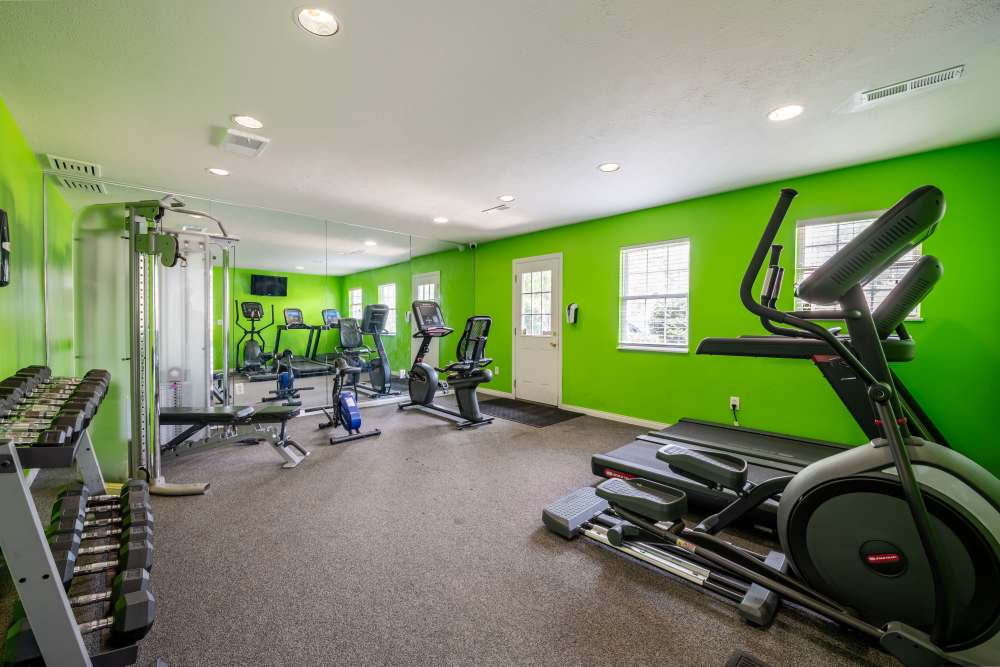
(615, 417)
(494, 392)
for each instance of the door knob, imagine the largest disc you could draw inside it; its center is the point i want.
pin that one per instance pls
(553, 344)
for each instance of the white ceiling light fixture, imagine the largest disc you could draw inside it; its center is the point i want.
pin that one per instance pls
(248, 121)
(300, 268)
(217, 171)
(370, 243)
(506, 198)
(608, 167)
(786, 112)
(317, 21)
(440, 220)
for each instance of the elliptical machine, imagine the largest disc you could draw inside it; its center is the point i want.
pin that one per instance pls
(463, 375)
(346, 412)
(253, 358)
(898, 539)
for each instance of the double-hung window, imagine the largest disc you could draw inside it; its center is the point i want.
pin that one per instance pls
(817, 241)
(354, 300)
(654, 296)
(387, 296)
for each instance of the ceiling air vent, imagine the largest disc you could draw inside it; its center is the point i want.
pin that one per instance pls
(70, 166)
(868, 98)
(76, 174)
(495, 209)
(243, 143)
(79, 185)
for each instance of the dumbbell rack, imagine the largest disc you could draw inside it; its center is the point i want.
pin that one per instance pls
(28, 556)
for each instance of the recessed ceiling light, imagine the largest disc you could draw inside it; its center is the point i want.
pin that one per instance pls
(217, 171)
(317, 21)
(439, 220)
(786, 112)
(300, 268)
(248, 121)
(370, 243)
(608, 167)
(506, 198)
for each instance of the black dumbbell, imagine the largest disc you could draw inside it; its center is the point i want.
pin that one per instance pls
(131, 618)
(131, 555)
(57, 417)
(72, 540)
(43, 438)
(77, 524)
(80, 506)
(79, 488)
(129, 581)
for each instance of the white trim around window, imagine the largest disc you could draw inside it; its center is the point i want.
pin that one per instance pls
(654, 296)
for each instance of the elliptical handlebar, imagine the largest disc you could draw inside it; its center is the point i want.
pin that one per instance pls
(760, 254)
(769, 314)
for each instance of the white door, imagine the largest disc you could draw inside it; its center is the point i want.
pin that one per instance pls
(426, 287)
(537, 329)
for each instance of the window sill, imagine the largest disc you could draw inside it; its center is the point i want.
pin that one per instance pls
(653, 348)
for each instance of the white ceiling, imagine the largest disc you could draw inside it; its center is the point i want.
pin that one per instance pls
(419, 109)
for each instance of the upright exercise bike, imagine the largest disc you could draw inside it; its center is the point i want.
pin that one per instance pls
(463, 375)
(898, 539)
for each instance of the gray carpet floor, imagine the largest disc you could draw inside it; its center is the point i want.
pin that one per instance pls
(425, 547)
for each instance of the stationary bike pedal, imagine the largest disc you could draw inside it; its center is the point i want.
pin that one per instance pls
(657, 502)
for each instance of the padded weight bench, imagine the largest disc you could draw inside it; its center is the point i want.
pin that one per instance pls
(197, 419)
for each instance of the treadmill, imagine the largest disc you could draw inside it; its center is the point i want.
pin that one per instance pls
(331, 320)
(302, 366)
(770, 454)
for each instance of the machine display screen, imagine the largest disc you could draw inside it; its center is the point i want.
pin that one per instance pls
(268, 285)
(428, 314)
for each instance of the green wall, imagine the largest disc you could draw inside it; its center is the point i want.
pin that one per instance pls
(457, 298)
(310, 292)
(954, 376)
(21, 303)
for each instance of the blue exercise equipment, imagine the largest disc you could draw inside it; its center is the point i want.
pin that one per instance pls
(346, 412)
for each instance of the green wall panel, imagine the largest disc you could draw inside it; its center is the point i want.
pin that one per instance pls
(310, 292)
(21, 308)
(954, 375)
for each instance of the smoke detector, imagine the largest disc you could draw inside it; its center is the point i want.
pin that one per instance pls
(895, 91)
(76, 174)
(242, 143)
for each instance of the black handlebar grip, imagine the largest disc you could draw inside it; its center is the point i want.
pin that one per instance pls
(776, 253)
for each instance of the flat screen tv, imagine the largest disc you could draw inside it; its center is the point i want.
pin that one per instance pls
(268, 285)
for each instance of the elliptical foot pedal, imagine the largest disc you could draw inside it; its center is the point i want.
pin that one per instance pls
(566, 516)
(760, 604)
(658, 502)
(729, 472)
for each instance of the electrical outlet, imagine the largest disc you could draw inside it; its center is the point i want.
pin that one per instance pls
(734, 402)
(402, 373)
(238, 388)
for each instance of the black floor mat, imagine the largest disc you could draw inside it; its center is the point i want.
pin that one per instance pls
(523, 412)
